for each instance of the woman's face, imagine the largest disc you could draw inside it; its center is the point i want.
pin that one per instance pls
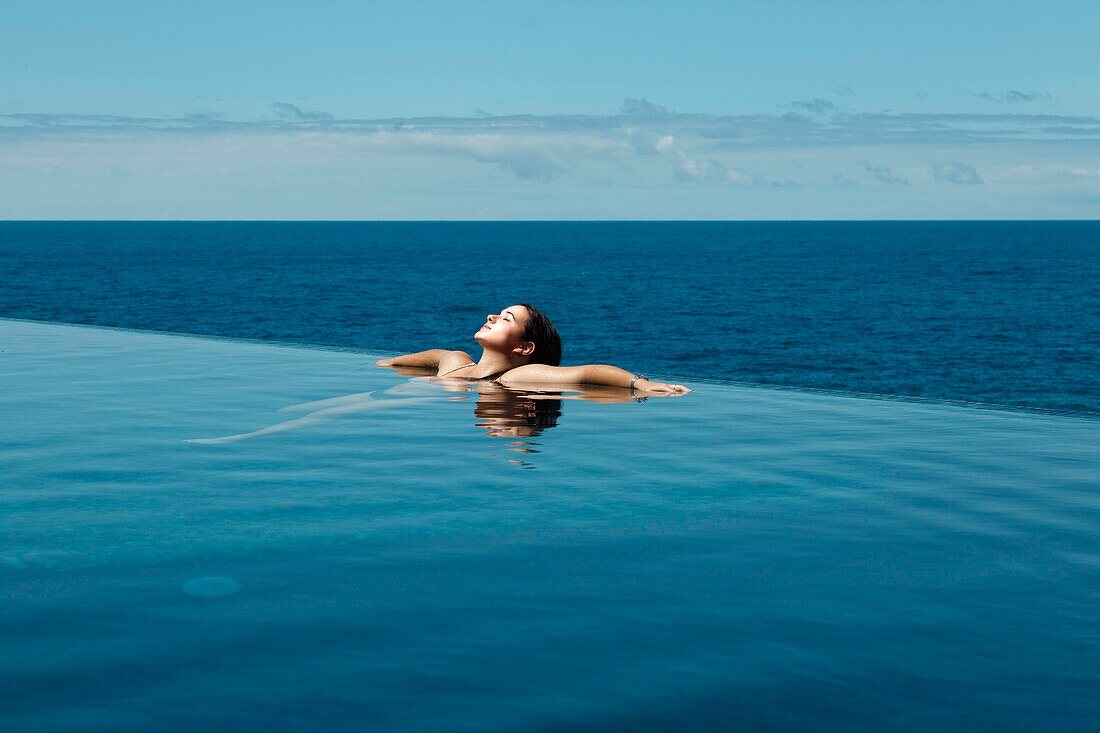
(503, 331)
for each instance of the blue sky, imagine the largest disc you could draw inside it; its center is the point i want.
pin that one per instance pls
(549, 110)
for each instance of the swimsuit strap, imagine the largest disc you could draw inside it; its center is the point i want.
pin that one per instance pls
(457, 368)
(488, 377)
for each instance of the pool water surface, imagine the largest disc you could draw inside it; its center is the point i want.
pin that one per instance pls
(213, 534)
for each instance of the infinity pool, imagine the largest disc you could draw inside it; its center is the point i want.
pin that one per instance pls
(215, 535)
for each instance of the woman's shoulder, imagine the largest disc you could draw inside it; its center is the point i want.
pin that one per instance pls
(454, 360)
(541, 373)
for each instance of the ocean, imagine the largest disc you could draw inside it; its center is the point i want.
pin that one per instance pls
(998, 313)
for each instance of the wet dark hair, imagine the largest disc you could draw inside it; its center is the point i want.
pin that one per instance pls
(547, 342)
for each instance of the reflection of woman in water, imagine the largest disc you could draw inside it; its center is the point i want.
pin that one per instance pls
(520, 346)
(506, 413)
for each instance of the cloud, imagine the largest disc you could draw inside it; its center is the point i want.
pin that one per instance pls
(958, 173)
(288, 111)
(642, 108)
(643, 122)
(843, 90)
(1071, 130)
(526, 155)
(708, 170)
(816, 106)
(529, 164)
(65, 120)
(646, 141)
(1015, 97)
(202, 115)
(686, 167)
(883, 174)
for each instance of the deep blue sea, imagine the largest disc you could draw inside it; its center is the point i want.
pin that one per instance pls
(1005, 313)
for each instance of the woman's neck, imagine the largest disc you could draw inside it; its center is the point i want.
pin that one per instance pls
(492, 362)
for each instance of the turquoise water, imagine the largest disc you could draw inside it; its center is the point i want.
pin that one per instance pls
(413, 558)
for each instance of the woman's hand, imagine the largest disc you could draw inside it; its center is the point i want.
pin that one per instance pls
(385, 362)
(645, 385)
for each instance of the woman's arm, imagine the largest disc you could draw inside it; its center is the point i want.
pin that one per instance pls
(599, 374)
(430, 359)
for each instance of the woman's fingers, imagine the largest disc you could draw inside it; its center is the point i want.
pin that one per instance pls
(665, 388)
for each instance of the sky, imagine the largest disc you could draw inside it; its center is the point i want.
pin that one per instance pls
(554, 110)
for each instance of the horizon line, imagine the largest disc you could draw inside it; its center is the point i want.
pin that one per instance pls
(243, 220)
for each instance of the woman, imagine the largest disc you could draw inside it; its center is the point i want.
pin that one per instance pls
(520, 346)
